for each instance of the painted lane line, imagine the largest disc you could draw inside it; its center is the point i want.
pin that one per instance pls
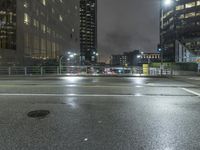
(190, 91)
(77, 86)
(197, 78)
(89, 95)
(67, 95)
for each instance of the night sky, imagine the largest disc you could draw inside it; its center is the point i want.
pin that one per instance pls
(126, 25)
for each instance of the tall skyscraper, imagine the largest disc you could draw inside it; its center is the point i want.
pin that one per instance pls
(180, 30)
(88, 31)
(33, 31)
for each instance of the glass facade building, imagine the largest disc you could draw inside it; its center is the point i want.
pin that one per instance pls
(180, 22)
(88, 31)
(8, 24)
(7, 30)
(33, 31)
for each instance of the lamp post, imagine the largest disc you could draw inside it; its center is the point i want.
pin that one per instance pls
(69, 56)
(60, 64)
(96, 55)
(164, 4)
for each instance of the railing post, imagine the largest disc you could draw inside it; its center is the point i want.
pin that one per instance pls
(171, 71)
(25, 71)
(58, 70)
(9, 71)
(41, 71)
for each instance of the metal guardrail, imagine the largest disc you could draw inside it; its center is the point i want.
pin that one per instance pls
(83, 70)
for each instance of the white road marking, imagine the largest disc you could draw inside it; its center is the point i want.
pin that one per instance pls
(68, 95)
(195, 78)
(77, 86)
(192, 92)
(88, 95)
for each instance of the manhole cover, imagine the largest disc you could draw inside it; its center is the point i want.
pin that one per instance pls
(40, 114)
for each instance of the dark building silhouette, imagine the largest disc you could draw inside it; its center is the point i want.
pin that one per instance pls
(125, 59)
(34, 31)
(132, 57)
(88, 31)
(118, 60)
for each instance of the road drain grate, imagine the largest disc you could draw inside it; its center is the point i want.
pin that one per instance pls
(38, 114)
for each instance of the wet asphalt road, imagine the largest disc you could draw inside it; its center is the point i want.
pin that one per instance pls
(100, 114)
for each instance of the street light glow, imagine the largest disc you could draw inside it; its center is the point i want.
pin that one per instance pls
(71, 56)
(168, 2)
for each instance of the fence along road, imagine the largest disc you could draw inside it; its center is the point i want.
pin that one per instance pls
(82, 70)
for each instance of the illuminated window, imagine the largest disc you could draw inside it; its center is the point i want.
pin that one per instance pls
(188, 43)
(188, 15)
(197, 13)
(53, 11)
(171, 19)
(181, 16)
(180, 7)
(26, 4)
(26, 19)
(43, 28)
(189, 5)
(35, 23)
(198, 2)
(60, 18)
(44, 2)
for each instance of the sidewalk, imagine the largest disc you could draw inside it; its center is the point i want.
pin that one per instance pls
(189, 79)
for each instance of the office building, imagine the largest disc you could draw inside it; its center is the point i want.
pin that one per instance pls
(149, 57)
(134, 58)
(34, 31)
(88, 31)
(180, 31)
(118, 60)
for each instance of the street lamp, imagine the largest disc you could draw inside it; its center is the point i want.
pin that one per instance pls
(164, 4)
(69, 56)
(60, 63)
(167, 2)
(96, 55)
